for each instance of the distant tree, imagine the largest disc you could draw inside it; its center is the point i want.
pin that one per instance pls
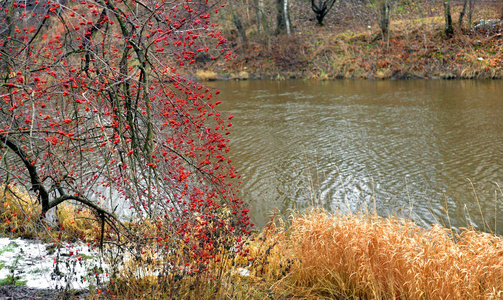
(321, 9)
(467, 4)
(385, 8)
(262, 25)
(236, 20)
(449, 30)
(462, 13)
(283, 17)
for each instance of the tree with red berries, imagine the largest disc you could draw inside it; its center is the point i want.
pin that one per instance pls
(93, 112)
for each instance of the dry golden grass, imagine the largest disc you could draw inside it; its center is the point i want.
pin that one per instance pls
(337, 257)
(372, 258)
(20, 217)
(19, 212)
(155, 274)
(317, 255)
(77, 223)
(205, 75)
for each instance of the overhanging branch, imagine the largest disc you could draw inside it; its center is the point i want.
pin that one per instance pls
(43, 195)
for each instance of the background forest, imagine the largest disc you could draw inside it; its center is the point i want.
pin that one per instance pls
(360, 39)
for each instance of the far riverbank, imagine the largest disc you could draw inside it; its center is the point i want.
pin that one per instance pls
(416, 49)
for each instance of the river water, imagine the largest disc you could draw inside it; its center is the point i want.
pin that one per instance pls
(427, 150)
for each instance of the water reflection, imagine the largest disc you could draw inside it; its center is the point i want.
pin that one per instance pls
(345, 144)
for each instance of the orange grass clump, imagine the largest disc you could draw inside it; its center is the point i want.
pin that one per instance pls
(367, 257)
(19, 212)
(20, 217)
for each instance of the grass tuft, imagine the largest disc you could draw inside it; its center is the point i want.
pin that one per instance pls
(20, 217)
(19, 212)
(359, 256)
(205, 75)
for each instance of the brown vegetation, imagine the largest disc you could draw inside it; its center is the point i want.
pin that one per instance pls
(352, 47)
(366, 257)
(323, 256)
(315, 255)
(21, 217)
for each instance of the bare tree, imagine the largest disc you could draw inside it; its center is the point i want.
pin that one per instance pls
(321, 9)
(282, 17)
(467, 4)
(462, 13)
(385, 8)
(236, 20)
(449, 30)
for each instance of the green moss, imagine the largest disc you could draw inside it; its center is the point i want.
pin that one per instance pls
(35, 271)
(85, 256)
(20, 282)
(8, 248)
(12, 280)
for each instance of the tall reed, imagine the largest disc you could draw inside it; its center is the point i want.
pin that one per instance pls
(367, 257)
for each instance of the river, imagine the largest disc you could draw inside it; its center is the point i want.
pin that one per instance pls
(429, 150)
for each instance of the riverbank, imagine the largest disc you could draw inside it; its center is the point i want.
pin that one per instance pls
(313, 255)
(329, 256)
(417, 48)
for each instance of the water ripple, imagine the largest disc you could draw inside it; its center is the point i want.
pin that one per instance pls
(349, 143)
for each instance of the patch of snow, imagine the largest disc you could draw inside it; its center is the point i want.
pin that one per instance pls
(74, 266)
(243, 272)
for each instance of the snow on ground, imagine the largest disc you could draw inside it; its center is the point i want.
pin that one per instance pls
(41, 265)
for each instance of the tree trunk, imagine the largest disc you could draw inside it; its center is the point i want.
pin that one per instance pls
(282, 16)
(239, 26)
(462, 14)
(261, 22)
(319, 18)
(449, 30)
(321, 9)
(287, 16)
(385, 10)
(470, 13)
